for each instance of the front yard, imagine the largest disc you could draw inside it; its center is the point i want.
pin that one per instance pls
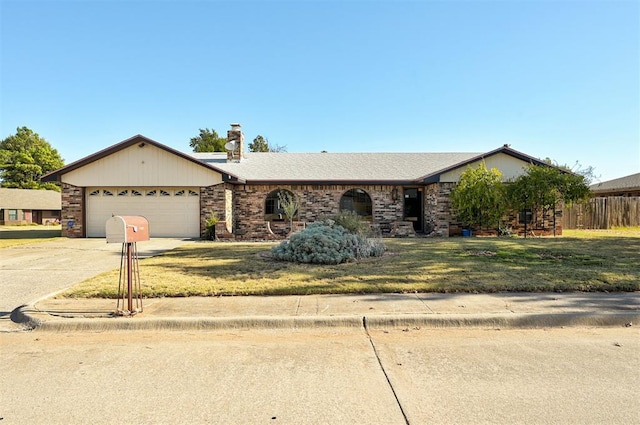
(579, 261)
(21, 235)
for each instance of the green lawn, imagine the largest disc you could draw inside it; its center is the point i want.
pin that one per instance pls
(581, 261)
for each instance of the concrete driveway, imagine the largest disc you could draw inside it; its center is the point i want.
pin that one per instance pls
(29, 272)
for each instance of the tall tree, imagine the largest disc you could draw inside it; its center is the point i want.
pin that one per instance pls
(24, 158)
(260, 144)
(208, 141)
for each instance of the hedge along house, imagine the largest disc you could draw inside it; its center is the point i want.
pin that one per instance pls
(401, 194)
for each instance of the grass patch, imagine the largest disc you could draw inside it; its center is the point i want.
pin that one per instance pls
(577, 263)
(21, 235)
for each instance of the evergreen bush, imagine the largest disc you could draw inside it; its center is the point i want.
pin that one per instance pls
(325, 242)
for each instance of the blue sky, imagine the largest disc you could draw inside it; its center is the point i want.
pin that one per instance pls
(558, 79)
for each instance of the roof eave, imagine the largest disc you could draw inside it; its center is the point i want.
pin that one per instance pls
(435, 177)
(56, 176)
(331, 182)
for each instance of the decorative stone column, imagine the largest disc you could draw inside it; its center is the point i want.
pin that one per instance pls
(72, 216)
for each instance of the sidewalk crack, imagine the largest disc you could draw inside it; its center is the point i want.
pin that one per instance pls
(384, 372)
(425, 304)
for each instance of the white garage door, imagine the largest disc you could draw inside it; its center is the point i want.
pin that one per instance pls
(171, 212)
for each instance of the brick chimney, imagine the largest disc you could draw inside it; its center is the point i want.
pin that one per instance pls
(235, 137)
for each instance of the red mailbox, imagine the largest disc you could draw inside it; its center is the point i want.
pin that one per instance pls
(125, 229)
(128, 230)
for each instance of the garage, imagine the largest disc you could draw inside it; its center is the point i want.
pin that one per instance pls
(171, 212)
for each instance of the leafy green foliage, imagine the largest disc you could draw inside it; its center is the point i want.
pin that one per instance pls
(260, 144)
(24, 158)
(479, 197)
(208, 141)
(541, 188)
(210, 225)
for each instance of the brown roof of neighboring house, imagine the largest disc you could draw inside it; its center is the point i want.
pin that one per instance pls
(28, 199)
(622, 184)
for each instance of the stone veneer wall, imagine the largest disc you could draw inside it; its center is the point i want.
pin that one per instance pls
(439, 221)
(72, 211)
(214, 199)
(315, 201)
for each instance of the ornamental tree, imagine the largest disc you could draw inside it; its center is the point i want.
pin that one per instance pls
(479, 198)
(541, 188)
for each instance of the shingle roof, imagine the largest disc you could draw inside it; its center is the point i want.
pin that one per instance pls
(27, 199)
(334, 167)
(315, 168)
(631, 182)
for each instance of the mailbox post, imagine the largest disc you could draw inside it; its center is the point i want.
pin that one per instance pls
(128, 230)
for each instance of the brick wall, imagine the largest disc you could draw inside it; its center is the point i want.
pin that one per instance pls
(437, 211)
(72, 217)
(215, 199)
(315, 201)
(440, 220)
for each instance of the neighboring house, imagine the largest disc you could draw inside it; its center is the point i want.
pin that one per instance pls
(623, 186)
(26, 206)
(399, 193)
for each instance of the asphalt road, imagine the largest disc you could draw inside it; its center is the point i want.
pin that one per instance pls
(394, 376)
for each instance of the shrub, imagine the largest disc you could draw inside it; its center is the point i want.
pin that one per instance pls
(210, 225)
(325, 242)
(351, 221)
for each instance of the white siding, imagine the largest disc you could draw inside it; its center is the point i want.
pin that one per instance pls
(171, 212)
(509, 166)
(142, 166)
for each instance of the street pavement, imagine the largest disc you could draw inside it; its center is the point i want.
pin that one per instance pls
(342, 375)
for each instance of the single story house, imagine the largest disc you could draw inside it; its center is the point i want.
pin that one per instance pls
(26, 206)
(623, 186)
(401, 194)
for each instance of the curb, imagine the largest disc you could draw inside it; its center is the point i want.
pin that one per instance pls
(504, 321)
(486, 321)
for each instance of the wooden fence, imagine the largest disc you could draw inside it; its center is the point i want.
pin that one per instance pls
(603, 213)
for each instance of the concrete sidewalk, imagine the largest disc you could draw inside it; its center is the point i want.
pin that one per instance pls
(503, 310)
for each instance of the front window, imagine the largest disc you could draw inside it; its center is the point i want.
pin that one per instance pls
(13, 215)
(358, 201)
(274, 208)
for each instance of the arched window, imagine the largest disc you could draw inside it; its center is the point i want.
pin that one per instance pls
(274, 209)
(358, 201)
